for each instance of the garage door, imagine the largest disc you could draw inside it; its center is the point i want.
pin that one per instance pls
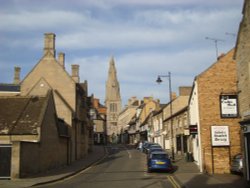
(5, 161)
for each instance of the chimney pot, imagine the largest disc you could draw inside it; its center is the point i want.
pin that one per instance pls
(49, 43)
(61, 59)
(173, 95)
(17, 75)
(75, 73)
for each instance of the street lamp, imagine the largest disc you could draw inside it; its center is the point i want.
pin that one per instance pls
(159, 80)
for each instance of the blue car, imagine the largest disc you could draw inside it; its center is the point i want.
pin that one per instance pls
(159, 160)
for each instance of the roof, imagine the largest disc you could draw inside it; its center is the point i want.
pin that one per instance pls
(147, 118)
(21, 115)
(158, 152)
(10, 87)
(219, 60)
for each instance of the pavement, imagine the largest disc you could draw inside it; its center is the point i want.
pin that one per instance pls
(58, 174)
(186, 175)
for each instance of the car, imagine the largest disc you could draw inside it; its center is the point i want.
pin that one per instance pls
(237, 164)
(159, 160)
(153, 147)
(154, 150)
(146, 145)
(150, 146)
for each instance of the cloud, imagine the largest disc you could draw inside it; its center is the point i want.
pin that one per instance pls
(109, 4)
(82, 30)
(138, 71)
(40, 20)
(146, 37)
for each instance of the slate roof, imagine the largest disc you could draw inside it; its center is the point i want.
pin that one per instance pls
(21, 115)
(9, 87)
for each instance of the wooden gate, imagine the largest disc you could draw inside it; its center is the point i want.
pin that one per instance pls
(5, 161)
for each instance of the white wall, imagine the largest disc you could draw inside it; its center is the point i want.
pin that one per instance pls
(194, 120)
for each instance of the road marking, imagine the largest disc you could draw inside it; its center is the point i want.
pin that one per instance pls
(129, 154)
(173, 182)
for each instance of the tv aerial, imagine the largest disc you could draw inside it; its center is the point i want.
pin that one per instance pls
(216, 40)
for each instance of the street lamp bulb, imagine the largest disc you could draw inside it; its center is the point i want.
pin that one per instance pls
(159, 80)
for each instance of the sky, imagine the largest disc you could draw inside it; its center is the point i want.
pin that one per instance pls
(147, 38)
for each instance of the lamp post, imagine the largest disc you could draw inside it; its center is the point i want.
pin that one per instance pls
(159, 80)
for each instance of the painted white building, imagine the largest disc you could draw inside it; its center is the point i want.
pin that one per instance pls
(195, 141)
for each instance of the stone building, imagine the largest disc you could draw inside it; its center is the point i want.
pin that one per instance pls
(69, 94)
(213, 110)
(11, 89)
(156, 128)
(175, 123)
(148, 105)
(62, 124)
(170, 123)
(242, 58)
(98, 115)
(30, 134)
(125, 117)
(112, 102)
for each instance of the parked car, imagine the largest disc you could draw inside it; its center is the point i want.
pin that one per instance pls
(146, 145)
(154, 150)
(237, 164)
(159, 160)
(151, 146)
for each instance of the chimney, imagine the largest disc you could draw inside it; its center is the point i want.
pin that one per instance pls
(220, 56)
(185, 90)
(147, 99)
(96, 103)
(75, 73)
(173, 95)
(61, 59)
(49, 43)
(17, 75)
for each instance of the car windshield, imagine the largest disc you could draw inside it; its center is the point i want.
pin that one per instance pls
(159, 156)
(155, 146)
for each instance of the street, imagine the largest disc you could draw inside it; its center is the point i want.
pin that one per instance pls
(121, 168)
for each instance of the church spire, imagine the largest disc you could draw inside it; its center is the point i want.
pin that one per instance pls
(112, 101)
(112, 85)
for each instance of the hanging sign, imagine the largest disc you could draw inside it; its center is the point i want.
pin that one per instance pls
(228, 106)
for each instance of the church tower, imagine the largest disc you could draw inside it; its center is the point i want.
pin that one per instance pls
(112, 102)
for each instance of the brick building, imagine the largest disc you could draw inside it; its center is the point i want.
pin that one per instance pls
(213, 110)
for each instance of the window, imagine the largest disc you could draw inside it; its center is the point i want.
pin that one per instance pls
(113, 107)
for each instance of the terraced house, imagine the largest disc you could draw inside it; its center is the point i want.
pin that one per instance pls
(243, 75)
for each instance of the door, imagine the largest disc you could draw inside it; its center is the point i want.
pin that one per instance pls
(5, 161)
(247, 160)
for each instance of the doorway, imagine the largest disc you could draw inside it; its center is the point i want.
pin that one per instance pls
(5, 161)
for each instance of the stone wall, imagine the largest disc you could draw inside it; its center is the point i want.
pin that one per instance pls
(51, 152)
